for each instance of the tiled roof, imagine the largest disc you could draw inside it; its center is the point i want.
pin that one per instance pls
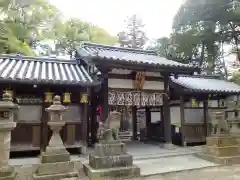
(206, 84)
(129, 55)
(42, 70)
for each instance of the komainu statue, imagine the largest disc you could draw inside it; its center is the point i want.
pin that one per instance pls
(109, 129)
(219, 124)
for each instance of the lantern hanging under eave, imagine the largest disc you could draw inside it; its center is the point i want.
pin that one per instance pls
(67, 97)
(84, 98)
(194, 102)
(48, 97)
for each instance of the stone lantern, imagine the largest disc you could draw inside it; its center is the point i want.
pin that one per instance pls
(56, 123)
(7, 109)
(55, 162)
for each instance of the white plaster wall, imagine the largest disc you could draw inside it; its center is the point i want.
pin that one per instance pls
(128, 84)
(175, 116)
(120, 71)
(193, 115)
(214, 103)
(120, 83)
(155, 117)
(126, 71)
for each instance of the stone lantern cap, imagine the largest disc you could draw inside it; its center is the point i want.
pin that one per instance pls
(56, 106)
(7, 102)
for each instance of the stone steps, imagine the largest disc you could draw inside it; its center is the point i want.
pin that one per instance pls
(125, 136)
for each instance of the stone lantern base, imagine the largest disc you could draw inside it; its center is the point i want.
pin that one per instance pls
(55, 166)
(8, 173)
(55, 162)
(222, 149)
(110, 160)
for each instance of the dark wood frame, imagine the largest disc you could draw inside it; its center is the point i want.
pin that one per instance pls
(34, 135)
(106, 65)
(197, 132)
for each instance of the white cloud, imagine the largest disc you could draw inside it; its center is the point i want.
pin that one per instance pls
(157, 15)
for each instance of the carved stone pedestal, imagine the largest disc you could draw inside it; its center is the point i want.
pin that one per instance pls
(55, 162)
(222, 149)
(110, 160)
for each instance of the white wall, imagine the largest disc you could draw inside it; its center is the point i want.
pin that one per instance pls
(175, 116)
(128, 84)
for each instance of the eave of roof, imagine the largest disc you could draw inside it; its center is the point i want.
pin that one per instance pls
(206, 84)
(32, 70)
(127, 56)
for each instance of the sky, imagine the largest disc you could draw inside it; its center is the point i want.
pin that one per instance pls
(157, 15)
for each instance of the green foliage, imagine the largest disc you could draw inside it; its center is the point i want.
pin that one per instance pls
(201, 28)
(24, 25)
(69, 34)
(236, 77)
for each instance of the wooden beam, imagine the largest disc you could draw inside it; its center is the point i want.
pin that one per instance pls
(166, 109)
(148, 119)
(182, 118)
(85, 111)
(205, 116)
(104, 93)
(134, 122)
(93, 117)
(141, 66)
(44, 127)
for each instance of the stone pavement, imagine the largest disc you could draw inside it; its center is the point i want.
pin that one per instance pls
(174, 164)
(171, 164)
(141, 151)
(210, 173)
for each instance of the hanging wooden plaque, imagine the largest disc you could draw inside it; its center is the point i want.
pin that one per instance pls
(111, 98)
(144, 99)
(152, 99)
(128, 98)
(137, 98)
(120, 98)
(158, 99)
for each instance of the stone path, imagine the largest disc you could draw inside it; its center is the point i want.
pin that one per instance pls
(141, 151)
(171, 164)
(214, 173)
(210, 173)
(152, 159)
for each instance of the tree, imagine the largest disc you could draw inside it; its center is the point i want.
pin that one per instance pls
(20, 21)
(67, 35)
(133, 35)
(25, 24)
(203, 27)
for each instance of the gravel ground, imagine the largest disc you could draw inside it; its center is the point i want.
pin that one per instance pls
(213, 173)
